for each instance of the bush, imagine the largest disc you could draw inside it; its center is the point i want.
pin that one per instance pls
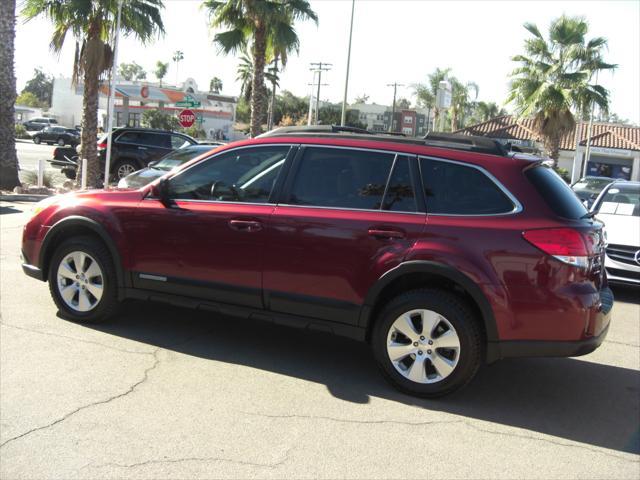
(21, 132)
(31, 177)
(564, 173)
(159, 119)
(195, 132)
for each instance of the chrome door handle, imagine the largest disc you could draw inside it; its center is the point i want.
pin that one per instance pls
(381, 233)
(245, 225)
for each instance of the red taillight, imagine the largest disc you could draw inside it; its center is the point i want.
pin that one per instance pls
(564, 244)
(102, 146)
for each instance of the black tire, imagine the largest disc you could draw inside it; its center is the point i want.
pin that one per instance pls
(69, 173)
(108, 304)
(124, 164)
(36, 140)
(458, 314)
(61, 142)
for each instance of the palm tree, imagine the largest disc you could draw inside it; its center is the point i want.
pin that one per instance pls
(215, 85)
(92, 24)
(161, 70)
(426, 93)
(257, 25)
(554, 79)
(484, 111)
(178, 56)
(245, 75)
(8, 158)
(460, 102)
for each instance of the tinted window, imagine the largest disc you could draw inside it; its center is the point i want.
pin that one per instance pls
(243, 175)
(400, 196)
(556, 192)
(129, 137)
(454, 189)
(333, 177)
(179, 142)
(156, 140)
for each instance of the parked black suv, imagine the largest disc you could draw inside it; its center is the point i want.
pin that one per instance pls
(132, 149)
(59, 135)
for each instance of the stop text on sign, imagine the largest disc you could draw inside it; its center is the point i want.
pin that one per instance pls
(186, 118)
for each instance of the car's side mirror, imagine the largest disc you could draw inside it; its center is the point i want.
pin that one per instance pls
(161, 192)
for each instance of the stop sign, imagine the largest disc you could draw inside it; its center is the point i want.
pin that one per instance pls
(186, 118)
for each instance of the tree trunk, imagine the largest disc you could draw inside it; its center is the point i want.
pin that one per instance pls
(454, 120)
(272, 105)
(257, 82)
(8, 157)
(90, 126)
(553, 148)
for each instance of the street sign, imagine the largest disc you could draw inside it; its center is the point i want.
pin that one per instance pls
(186, 118)
(189, 102)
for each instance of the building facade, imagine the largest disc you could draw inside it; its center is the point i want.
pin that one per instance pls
(215, 115)
(614, 148)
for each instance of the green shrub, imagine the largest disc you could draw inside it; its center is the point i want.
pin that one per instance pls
(159, 119)
(564, 173)
(31, 177)
(195, 132)
(21, 132)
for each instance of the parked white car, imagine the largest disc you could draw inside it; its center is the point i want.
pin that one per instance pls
(618, 206)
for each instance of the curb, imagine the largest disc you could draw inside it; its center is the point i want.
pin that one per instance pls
(20, 197)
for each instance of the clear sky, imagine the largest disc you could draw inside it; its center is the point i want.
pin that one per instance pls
(393, 40)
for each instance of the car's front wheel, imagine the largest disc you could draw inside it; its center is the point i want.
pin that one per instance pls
(82, 280)
(427, 342)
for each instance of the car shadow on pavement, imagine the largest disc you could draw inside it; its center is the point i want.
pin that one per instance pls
(571, 399)
(628, 294)
(4, 209)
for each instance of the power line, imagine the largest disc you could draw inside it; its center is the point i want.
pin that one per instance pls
(317, 67)
(395, 86)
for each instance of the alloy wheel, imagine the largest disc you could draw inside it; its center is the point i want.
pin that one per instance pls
(423, 346)
(80, 281)
(125, 169)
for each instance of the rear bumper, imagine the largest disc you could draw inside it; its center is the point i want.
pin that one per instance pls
(33, 272)
(550, 348)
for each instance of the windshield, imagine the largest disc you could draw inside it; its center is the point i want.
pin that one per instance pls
(621, 200)
(592, 184)
(178, 157)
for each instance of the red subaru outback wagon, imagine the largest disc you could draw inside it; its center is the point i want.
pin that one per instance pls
(443, 253)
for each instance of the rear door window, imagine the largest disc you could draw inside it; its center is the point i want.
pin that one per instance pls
(558, 195)
(341, 178)
(452, 188)
(400, 196)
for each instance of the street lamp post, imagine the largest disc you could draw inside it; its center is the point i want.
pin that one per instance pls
(112, 92)
(346, 80)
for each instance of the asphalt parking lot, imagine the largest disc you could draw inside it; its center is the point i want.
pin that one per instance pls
(163, 392)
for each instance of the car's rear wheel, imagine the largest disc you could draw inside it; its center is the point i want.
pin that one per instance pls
(427, 342)
(61, 142)
(36, 140)
(82, 280)
(124, 168)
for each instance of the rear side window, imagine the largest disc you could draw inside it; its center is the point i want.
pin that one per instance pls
(558, 195)
(341, 178)
(400, 196)
(455, 189)
(156, 140)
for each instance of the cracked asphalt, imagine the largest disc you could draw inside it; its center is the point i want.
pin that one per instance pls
(162, 392)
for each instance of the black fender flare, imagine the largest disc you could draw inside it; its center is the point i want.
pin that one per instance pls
(438, 269)
(76, 220)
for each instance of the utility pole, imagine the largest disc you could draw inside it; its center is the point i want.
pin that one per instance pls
(343, 118)
(395, 86)
(319, 67)
(111, 101)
